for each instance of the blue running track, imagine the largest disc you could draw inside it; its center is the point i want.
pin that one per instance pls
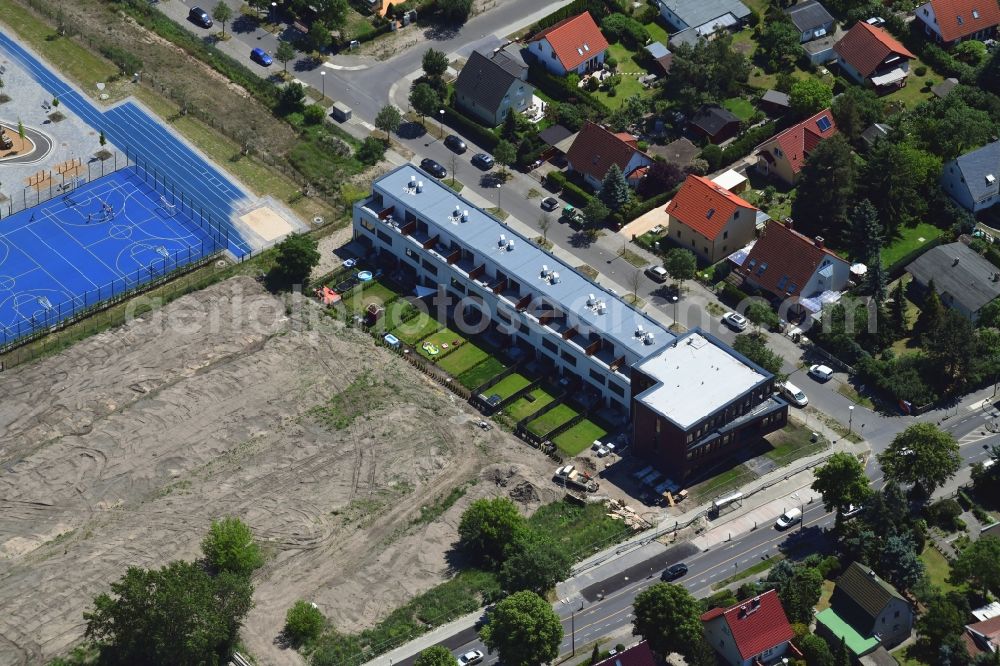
(149, 144)
(74, 251)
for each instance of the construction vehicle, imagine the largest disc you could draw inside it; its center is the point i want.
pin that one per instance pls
(569, 477)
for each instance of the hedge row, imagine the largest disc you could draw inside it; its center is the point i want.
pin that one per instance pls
(152, 19)
(572, 192)
(469, 128)
(746, 142)
(946, 64)
(653, 202)
(597, 8)
(561, 90)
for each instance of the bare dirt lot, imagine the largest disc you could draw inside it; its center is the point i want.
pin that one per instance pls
(230, 401)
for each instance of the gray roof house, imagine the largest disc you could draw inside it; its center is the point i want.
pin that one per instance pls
(701, 18)
(491, 85)
(963, 279)
(973, 179)
(811, 20)
(866, 612)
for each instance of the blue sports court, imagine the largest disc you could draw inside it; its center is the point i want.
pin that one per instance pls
(100, 240)
(168, 208)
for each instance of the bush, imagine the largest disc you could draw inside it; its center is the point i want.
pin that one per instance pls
(314, 114)
(747, 141)
(562, 90)
(947, 65)
(829, 567)
(303, 623)
(944, 513)
(732, 295)
(126, 62)
(470, 128)
(920, 70)
(371, 151)
(620, 28)
(713, 155)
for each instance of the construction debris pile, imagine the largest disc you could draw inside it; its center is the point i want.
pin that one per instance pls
(618, 510)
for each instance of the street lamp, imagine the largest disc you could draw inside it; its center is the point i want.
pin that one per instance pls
(850, 419)
(498, 198)
(572, 622)
(274, 10)
(322, 78)
(673, 299)
(441, 118)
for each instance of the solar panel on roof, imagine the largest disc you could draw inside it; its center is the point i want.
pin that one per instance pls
(824, 123)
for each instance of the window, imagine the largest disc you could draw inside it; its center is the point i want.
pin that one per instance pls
(615, 388)
(710, 213)
(975, 13)
(384, 237)
(503, 316)
(458, 285)
(960, 20)
(410, 253)
(548, 344)
(429, 267)
(896, 614)
(763, 267)
(368, 224)
(824, 123)
(725, 234)
(751, 264)
(678, 233)
(597, 376)
(777, 151)
(569, 358)
(782, 282)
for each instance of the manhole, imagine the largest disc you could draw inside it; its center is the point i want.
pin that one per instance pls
(318, 219)
(220, 263)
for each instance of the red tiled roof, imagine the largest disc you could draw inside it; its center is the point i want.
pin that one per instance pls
(755, 631)
(864, 47)
(798, 141)
(989, 629)
(575, 40)
(790, 259)
(637, 655)
(947, 13)
(595, 149)
(704, 206)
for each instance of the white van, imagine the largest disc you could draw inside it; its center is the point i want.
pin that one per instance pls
(794, 394)
(788, 518)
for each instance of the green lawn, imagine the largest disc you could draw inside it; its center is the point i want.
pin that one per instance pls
(580, 437)
(910, 239)
(658, 33)
(739, 107)
(395, 312)
(528, 404)
(552, 419)
(439, 339)
(579, 530)
(356, 25)
(372, 292)
(937, 568)
(630, 72)
(792, 442)
(915, 91)
(721, 484)
(510, 385)
(465, 357)
(480, 374)
(624, 58)
(416, 329)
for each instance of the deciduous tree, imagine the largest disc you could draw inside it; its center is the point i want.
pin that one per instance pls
(331, 12)
(388, 120)
(504, 154)
(285, 53)
(455, 11)
(661, 177)
(896, 179)
(855, 110)
(222, 13)
(435, 655)
(754, 347)
(681, 264)
(488, 528)
(668, 617)
(303, 623)
(842, 482)
(826, 188)
(595, 213)
(524, 629)
(901, 564)
(229, 546)
(779, 43)
(923, 455)
(435, 63)
(537, 563)
(424, 100)
(979, 565)
(809, 96)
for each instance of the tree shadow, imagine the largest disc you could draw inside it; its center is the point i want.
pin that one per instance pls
(307, 64)
(411, 130)
(244, 24)
(442, 32)
(581, 239)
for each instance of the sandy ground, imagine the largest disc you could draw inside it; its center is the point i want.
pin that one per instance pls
(121, 450)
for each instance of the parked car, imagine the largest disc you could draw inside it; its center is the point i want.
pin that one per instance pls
(851, 511)
(550, 203)
(821, 372)
(455, 143)
(261, 57)
(483, 161)
(199, 16)
(674, 571)
(471, 657)
(657, 274)
(794, 394)
(876, 21)
(433, 168)
(735, 321)
(788, 518)
(573, 215)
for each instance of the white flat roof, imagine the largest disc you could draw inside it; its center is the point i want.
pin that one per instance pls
(696, 376)
(729, 179)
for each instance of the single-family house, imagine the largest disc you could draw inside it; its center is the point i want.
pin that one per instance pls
(963, 279)
(574, 45)
(595, 149)
(710, 220)
(811, 19)
(951, 21)
(790, 265)
(492, 85)
(871, 56)
(715, 123)
(751, 633)
(694, 19)
(784, 154)
(866, 612)
(637, 655)
(982, 637)
(973, 179)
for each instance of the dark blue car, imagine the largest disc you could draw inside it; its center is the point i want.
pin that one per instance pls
(260, 56)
